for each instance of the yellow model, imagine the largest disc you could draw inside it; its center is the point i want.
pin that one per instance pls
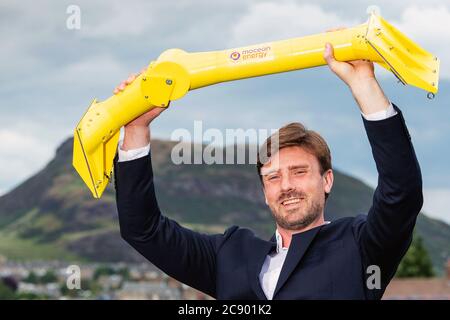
(175, 72)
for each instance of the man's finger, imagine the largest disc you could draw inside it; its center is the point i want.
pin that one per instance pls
(328, 54)
(122, 86)
(338, 67)
(130, 78)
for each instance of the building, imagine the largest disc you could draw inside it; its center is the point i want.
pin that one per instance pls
(420, 288)
(147, 291)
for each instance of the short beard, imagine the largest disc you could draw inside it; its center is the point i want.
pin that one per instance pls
(312, 214)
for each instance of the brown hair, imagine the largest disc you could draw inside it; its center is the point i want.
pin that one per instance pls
(296, 134)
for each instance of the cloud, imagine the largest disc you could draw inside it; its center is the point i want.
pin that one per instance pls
(117, 19)
(90, 72)
(437, 203)
(25, 154)
(270, 21)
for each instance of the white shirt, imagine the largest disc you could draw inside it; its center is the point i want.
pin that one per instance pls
(132, 154)
(273, 263)
(271, 269)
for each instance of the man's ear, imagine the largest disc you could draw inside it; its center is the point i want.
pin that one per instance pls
(267, 202)
(328, 179)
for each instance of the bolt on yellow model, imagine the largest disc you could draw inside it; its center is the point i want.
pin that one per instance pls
(175, 72)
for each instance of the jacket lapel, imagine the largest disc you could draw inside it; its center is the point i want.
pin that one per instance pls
(257, 254)
(299, 244)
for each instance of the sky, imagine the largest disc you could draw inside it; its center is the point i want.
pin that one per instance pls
(49, 73)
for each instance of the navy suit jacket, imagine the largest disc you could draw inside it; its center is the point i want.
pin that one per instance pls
(326, 262)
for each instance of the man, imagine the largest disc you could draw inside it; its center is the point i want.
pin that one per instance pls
(307, 258)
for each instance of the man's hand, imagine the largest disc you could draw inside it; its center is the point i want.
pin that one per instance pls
(360, 78)
(137, 132)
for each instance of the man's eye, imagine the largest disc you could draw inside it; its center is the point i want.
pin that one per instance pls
(273, 177)
(299, 172)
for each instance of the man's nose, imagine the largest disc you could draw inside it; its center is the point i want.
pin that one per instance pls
(286, 184)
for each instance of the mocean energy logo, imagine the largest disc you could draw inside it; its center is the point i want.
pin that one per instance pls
(251, 53)
(235, 55)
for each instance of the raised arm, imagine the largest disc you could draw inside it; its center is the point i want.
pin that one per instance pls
(183, 254)
(387, 233)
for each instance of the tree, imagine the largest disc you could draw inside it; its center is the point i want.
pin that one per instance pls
(49, 277)
(103, 271)
(125, 273)
(32, 278)
(416, 262)
(6, 293)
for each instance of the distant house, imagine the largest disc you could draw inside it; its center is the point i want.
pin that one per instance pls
(189, 293)
(110, 282)
(50, 290)
(420, 288)
(147, 291)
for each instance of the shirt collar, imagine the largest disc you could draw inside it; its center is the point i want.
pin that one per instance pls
(280, 240)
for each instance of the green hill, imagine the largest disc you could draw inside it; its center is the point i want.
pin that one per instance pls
(52, 215)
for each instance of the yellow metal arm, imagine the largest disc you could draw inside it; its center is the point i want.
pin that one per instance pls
(175, 72)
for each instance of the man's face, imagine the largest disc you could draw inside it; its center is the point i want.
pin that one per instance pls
(294, 187)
